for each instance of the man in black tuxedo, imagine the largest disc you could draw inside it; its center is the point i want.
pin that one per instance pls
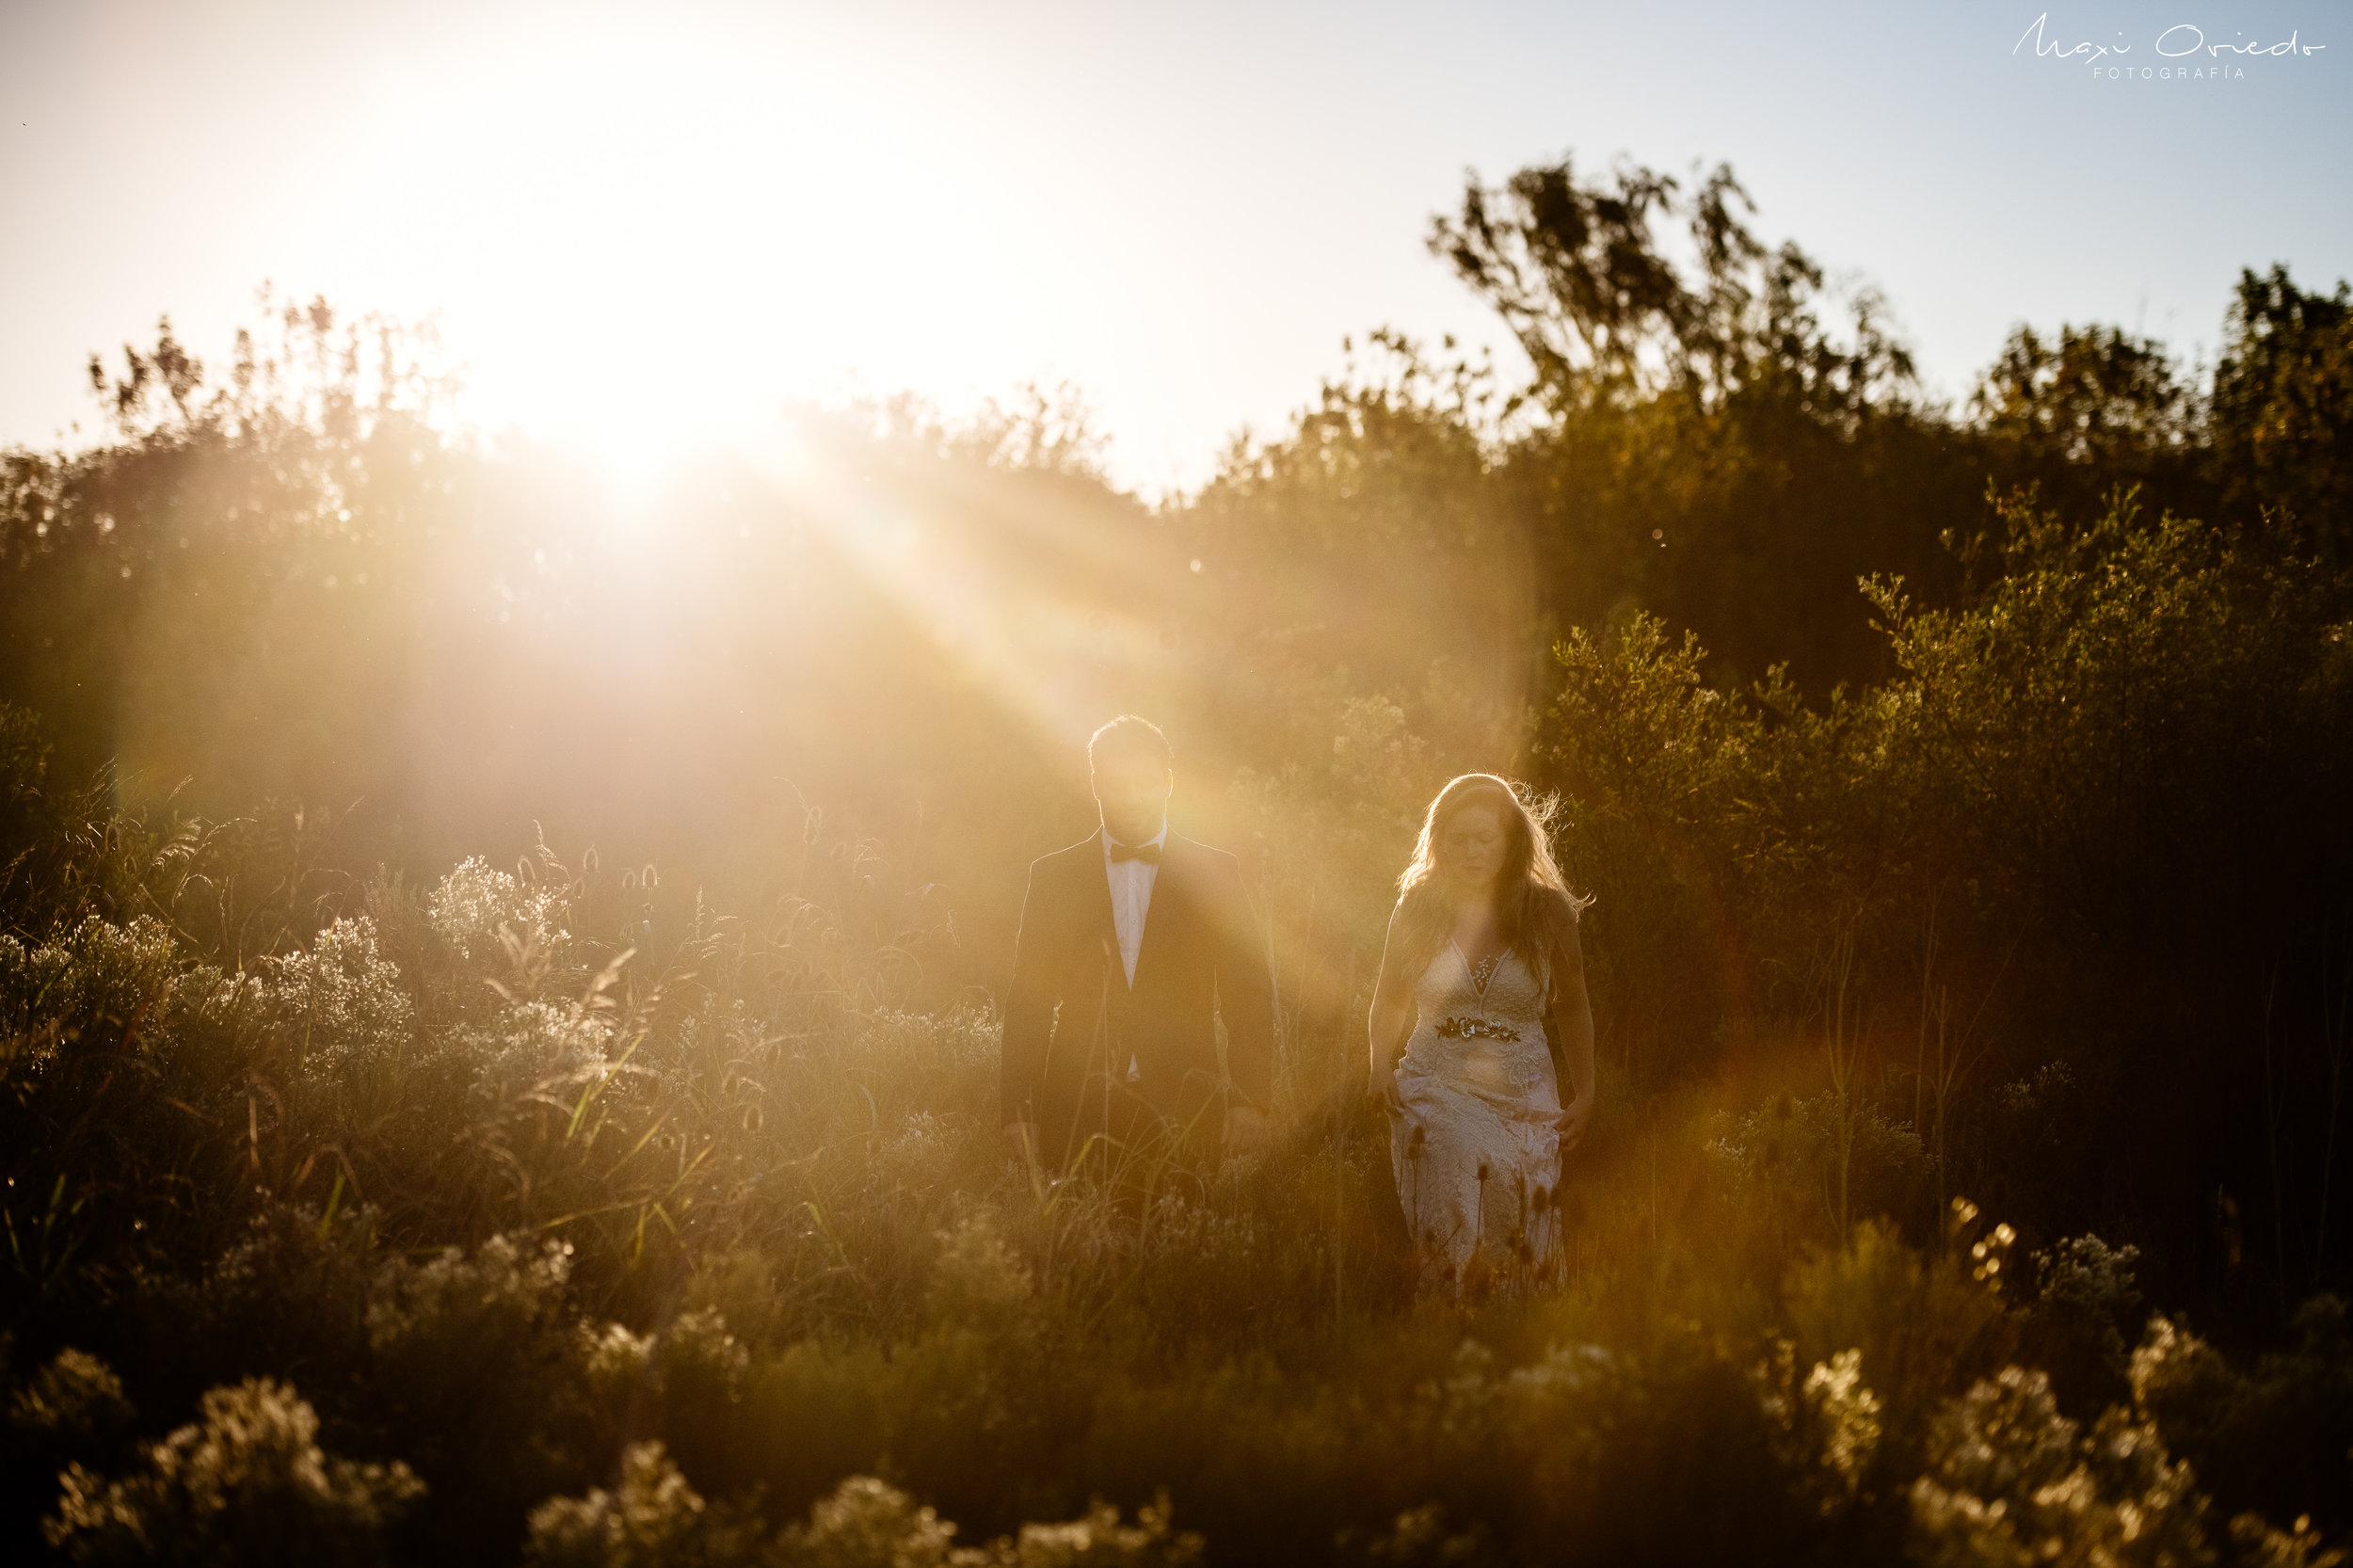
(1109, 1029)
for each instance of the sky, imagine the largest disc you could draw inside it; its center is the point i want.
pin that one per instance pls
(646, 228)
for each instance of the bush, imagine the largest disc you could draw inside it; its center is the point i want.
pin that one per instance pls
(654, 1519)
(477, 1366)
(2009, 1481)
(2274, 1439)
(1784, 1157)
(2086, 1303)
(651, 1519)
(1918, 1325)
(247, 1484)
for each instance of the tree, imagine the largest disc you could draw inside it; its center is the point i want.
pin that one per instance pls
(2093, 394)
(1578, 273)
(2282, 411)
(1720, 449)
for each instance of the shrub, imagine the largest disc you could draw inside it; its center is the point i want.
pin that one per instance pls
(2012, 1483)
(473, 901)
(478, 1372)
(1827, 1426)
(1785, 1155)
(866, 1522)
(76, 1400)
(1918, 1323)
(2086, 1302)
(246, 1484)
(1100, 1540)
(94, 982)
(2273, 1439)
(978, 1282)
(342, 1001)
(654, 1519)
(650, 1519)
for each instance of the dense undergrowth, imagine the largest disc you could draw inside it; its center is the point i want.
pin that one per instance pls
(352, 1220)
(1972, 990)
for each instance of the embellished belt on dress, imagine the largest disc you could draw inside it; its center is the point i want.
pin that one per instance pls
(1457, 1028)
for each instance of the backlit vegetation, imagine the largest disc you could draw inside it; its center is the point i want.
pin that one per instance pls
(527, 1095)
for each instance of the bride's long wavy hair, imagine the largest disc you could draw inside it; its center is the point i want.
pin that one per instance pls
(1428, 908)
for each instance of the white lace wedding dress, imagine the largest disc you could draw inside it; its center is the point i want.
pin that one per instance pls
(1477, 1150)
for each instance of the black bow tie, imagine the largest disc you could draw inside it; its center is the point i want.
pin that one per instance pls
(1148, 853)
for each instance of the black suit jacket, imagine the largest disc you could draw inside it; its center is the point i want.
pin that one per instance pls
(1070, 1015)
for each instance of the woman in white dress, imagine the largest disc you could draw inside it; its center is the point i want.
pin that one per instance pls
(1482, 989)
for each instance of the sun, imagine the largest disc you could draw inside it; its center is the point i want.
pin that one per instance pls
(649, 240)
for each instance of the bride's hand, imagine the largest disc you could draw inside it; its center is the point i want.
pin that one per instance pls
(1382, 1089)
(1571, 1123)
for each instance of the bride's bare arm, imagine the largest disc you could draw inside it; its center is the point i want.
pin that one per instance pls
(1391, 1022)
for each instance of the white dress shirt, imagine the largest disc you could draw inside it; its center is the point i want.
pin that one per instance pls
(1131, 901)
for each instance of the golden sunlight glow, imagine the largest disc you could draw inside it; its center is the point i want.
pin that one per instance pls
(644, 241)
(1022, 644)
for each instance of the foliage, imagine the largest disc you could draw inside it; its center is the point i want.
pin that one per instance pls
(2283, 404)
(249, 1484)
(2014, 1482)
(641, 1201)
(652, 1517)
(2224, 1417)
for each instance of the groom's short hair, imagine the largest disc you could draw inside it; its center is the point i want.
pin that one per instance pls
(1130, 736)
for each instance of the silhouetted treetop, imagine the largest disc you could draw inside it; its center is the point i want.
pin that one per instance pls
(1578, 272)
(2282, 423)
(2091, 394)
